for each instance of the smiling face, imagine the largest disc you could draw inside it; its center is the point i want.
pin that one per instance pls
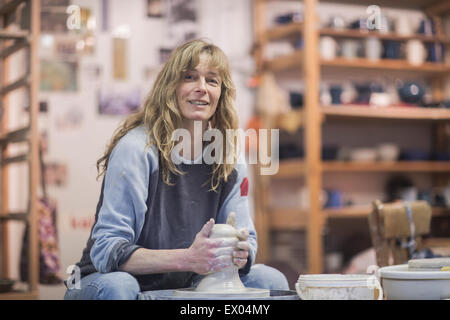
(198, 92)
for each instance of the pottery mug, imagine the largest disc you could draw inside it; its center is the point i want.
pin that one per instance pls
(391, 49)
(388, 152)
(328, 48)
(349, 49)
(336, 92)
(446, 193)
(373, 49)
(334, 199)
(416, 52)
(403, 26)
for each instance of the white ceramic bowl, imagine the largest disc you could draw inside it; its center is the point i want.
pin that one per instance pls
(363, 154)
(399, 283)
(338, 287)
(388, 152)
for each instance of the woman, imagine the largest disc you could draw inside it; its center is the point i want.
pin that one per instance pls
(154, 217)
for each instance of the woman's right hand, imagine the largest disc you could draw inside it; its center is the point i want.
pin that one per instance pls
(207, 255)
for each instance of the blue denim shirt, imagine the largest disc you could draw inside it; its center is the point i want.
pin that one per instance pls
(138, 210)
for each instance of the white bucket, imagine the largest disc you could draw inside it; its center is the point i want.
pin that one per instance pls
(339, 287)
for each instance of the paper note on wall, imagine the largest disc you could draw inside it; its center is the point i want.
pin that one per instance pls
(120, 70)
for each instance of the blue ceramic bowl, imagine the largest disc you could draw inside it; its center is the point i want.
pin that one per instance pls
(411, 92)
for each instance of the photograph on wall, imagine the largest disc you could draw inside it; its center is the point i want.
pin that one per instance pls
(91, 72)
(54, 20)
(120, 67)
(55, 174)
(68, 117)
(164, 54)
(58, 75)
(182, 20)
(66, 46)
(87, 21)
(115, 101)
(155, 8)
(105, 15)
(43, 141)
(87, 44)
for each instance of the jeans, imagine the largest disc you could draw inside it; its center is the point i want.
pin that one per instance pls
(123, 286)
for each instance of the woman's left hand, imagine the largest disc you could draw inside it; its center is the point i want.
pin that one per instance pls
(240, 254)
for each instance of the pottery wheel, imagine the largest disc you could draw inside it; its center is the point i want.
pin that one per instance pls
(246, 292)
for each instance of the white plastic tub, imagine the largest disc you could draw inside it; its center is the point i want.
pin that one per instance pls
(338, 287)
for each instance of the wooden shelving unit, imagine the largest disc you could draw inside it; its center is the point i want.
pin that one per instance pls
(11, 41)
(295, 29)
(307, 64)
(296, 168)
(390, 112)
(295, 60)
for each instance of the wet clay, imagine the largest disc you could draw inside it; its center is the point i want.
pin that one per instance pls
(225, 280)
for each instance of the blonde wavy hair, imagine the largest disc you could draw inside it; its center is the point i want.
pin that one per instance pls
(161, 116)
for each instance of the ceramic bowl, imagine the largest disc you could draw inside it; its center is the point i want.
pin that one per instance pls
(363, 154)
(399, 283)
(410, 92)
(388, 152)
(6, 285)
(338, 287)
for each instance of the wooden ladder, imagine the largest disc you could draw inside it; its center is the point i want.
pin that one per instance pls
(13, 39)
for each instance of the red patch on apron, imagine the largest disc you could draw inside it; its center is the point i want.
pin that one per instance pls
(244, 187)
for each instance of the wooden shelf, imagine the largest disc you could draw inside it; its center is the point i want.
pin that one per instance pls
(291, 61)
(297, 219)
(288, 219)
(379, 166)
(19, 296)
(392, 112)
(18, 135)
(362, 211)
(357, 211)
(14, 216)
(294, 60)
(296, 117)
(405, 4)
(10, 6)
(295, 29)
(18, 45)
(15, 35)
(350, 33)
(290, 168)
(295, 168)
(282, 31)
(386, 64)
(436, 7)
